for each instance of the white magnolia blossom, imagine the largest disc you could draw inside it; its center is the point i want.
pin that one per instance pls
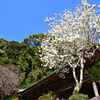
(98, 6)
(72, 35)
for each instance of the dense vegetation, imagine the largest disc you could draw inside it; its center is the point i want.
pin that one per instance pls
(23, 59)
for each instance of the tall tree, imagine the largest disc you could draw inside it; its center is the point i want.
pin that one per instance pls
(29, 61)
(73, 38)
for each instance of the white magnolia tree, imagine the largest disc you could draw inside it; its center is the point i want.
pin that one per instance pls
(71, 37)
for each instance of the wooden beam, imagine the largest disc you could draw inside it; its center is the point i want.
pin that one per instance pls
(68, 86)
(31, 98)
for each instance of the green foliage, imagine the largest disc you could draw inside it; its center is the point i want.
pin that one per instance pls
(48, 96)
(25, 59)
(11, 97)
(15, 99)
(4, 60)
(29, 63)
(93, 73)
(12, 51)
(78, 96)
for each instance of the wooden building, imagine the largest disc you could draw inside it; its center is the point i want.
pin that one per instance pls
(63, 88)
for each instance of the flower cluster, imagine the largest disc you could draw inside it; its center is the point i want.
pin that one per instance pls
(71, 34)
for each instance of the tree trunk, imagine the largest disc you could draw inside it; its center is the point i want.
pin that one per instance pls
(79, 84)
(95, 89)
(77, 88)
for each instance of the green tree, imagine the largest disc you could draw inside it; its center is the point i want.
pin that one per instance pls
(93, 73)
(12, 51)
(29, 62)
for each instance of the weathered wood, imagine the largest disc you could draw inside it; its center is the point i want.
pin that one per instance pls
(95, 89)
(96, 98)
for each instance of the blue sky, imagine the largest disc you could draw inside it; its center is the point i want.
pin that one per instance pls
(21, 18)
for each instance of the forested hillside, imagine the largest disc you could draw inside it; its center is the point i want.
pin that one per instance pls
(23, 59)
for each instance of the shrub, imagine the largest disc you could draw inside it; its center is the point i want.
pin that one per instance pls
(48, 96)
(78, 96)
